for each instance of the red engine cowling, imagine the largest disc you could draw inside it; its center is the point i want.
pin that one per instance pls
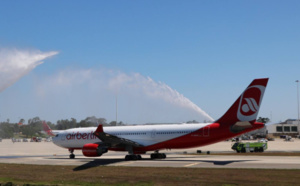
(93, 150)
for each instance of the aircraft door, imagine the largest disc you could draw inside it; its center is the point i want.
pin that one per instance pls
(206, 131)
(153, 133)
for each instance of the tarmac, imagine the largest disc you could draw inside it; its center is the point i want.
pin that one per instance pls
(47, 153)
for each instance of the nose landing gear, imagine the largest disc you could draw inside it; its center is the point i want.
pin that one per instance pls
(72, 156)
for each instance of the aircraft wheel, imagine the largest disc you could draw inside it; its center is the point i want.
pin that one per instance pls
(158, 156)
(72, 156)
(152, 156)
(133, 157)
(139, 157)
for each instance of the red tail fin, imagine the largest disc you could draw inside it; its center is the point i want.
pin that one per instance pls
(47, 129)
(246, 107)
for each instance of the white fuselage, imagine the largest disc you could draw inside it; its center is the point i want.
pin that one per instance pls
(144, 135)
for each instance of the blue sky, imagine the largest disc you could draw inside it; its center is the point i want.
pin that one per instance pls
(208, 51)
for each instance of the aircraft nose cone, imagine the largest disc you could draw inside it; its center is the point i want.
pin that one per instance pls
(56, 139)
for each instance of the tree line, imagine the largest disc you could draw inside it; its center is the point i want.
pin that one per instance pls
(35, 126)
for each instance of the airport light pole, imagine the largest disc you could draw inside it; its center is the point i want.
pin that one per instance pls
(297, 81)
(116, 109)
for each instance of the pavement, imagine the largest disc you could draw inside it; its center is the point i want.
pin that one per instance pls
(46, 153)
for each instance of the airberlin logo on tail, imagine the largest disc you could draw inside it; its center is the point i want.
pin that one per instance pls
(249, 103)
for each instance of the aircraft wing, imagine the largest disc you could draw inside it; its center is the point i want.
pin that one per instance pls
(112, 140)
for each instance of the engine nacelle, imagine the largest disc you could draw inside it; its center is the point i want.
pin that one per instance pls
(93, 150)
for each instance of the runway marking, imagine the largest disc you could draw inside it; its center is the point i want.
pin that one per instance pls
(189, 165)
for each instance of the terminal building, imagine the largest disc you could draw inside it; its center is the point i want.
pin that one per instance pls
(289, 127)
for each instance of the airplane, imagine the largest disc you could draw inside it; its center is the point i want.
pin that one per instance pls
(136, 140)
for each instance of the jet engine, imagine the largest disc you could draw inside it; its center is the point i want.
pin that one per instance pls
(93, 150)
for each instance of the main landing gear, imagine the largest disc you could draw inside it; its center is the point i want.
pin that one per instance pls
(139, 157)
(155, 155)
(133, 157)
(72, 156)
(158, 155)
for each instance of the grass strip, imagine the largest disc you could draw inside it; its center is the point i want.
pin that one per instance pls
(20, 174)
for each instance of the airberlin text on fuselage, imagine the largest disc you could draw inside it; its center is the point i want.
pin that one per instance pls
(79, 136)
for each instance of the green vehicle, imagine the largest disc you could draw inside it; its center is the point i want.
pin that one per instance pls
(249, 147)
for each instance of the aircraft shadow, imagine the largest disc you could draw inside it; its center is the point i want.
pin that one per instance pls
(96, 163)
(103, 162)
(215, 162)
(225, 162)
